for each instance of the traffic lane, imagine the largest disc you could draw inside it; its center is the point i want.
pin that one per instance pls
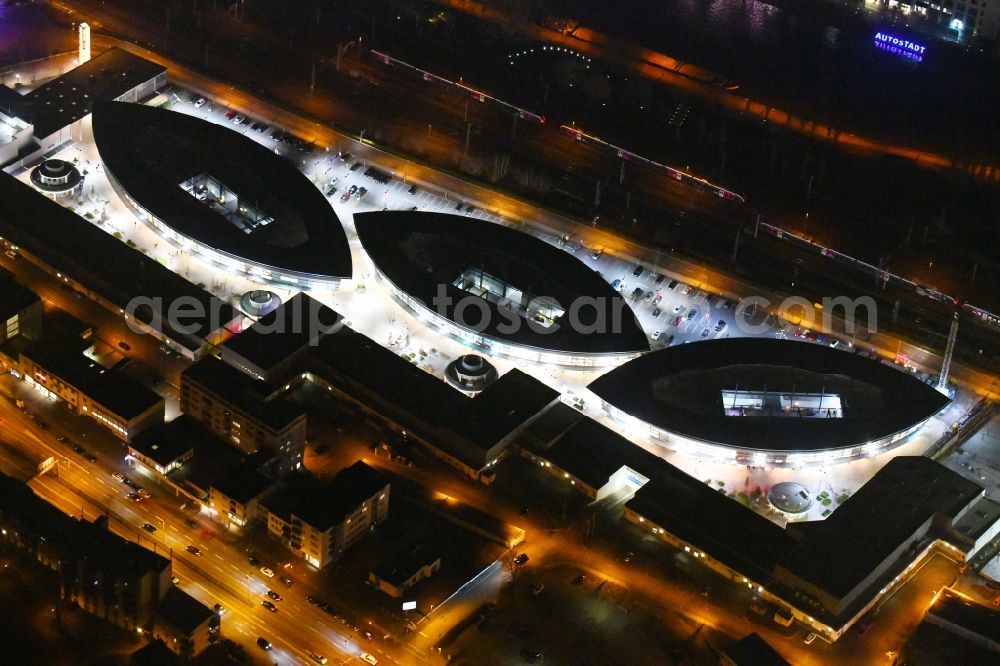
(80, 491)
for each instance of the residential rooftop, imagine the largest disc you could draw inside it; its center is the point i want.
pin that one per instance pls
(111, 389)
(325, 506)
(166, 442)
(249, 395)
(242, 483)
(180, 610)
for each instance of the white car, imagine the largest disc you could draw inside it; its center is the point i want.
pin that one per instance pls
(809, 639)
(267, 572)
(239, 120)
(656, 334)
(118, 477)
(199, 103)
(369, 658)
(318, 658)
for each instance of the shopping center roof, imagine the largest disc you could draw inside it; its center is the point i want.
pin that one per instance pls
(679, 389)
(151, 151)
(422, 253)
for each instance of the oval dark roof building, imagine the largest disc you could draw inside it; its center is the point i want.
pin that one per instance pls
(501, 289)
(767, 401)
(221, 190)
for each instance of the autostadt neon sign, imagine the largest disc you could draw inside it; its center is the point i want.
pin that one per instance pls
(899, 46)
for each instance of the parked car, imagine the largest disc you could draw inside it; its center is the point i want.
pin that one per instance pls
(673, 284)
(656, 334)
(639, 270)
(657, 312)
(720, 325)
(345, 196)
(692, 314)
(412, 190)
(596, 254)
(660, 278)
(810, 637)
(687, 289)
(537, 589)
(230, 115)
(200, 102)
(521, 559)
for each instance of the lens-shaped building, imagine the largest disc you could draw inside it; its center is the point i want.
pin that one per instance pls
(761, 401)
(500, 290)
(216, 193)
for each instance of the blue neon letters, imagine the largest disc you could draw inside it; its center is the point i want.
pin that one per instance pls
(899, 46)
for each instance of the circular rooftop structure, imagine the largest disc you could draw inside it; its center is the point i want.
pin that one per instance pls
(204, 185)
(500, 290)
(470, 373)
(259, 302)
(56, 178)
(762, 401)
(789, 497)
